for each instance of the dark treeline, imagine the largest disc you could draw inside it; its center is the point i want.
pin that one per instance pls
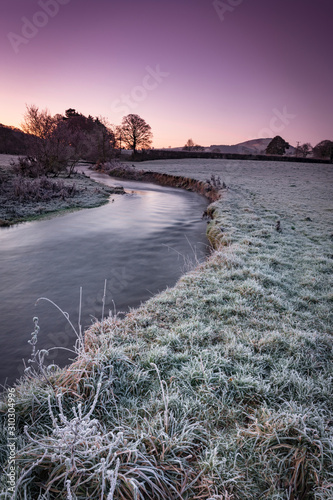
(57, 143)
(161, 154)
(52, 144)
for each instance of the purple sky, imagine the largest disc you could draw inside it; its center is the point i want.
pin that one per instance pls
(258, 69)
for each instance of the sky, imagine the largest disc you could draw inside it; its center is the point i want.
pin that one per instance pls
(216, 71)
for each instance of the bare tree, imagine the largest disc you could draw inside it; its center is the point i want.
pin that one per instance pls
(190, 146)
(304, 150)
(47, 152)
(38, 123)
(119, 139)
(74, 143)
(136, 133)
(57, 143)
(53, 144)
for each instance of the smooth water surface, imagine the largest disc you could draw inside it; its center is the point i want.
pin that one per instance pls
(140, 243)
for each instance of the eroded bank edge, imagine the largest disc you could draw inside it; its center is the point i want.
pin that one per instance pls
(212, 193)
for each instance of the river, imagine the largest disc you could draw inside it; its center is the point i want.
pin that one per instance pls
(140, 242)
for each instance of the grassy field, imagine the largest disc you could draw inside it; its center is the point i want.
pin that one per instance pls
(219, 388)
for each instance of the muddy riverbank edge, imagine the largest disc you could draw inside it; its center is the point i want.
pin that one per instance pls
(212, 189)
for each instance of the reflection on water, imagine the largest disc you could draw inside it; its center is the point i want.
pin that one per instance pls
(139, 243)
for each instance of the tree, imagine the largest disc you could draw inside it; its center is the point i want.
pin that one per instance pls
(102, 142)
(304, 150)
(190, 146)
(44, 149)
(119, 138)
(71, 112)
(136, 133)
(57, 143)
(323, 150)
(277, 146)
(53, 143)
(74, 142)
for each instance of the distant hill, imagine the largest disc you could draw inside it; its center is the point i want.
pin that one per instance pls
(12, 140)
(254, 146)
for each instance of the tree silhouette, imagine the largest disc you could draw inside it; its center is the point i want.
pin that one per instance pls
(136, 133)
(189, 146)
(323, 149)
(57, 143)
(46, 150)
(69, 113)
(304, 150)
(277, 146)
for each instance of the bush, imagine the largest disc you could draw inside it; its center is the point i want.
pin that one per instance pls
(41, 189)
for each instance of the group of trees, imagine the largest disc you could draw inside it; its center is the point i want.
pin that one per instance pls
(323, 150)
(53, 144)
(190, 146)
(278, 146)
(56, 143)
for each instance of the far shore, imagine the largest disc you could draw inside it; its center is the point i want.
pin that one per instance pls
(30, 200)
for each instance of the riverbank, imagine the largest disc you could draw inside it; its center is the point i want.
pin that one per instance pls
(123, 242)
(210, 188)
(219, 387)
(23, 199)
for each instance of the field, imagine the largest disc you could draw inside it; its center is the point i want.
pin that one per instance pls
(219, 388)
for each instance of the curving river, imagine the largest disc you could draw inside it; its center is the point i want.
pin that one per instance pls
(141, 243)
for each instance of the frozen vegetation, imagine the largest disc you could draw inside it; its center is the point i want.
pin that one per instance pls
(23, 198)
(219, 388)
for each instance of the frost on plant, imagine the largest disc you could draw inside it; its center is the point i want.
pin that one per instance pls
(38, 357)
(74, 444)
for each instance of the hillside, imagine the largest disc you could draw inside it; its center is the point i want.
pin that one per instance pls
(253, 146)
(12, 140)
